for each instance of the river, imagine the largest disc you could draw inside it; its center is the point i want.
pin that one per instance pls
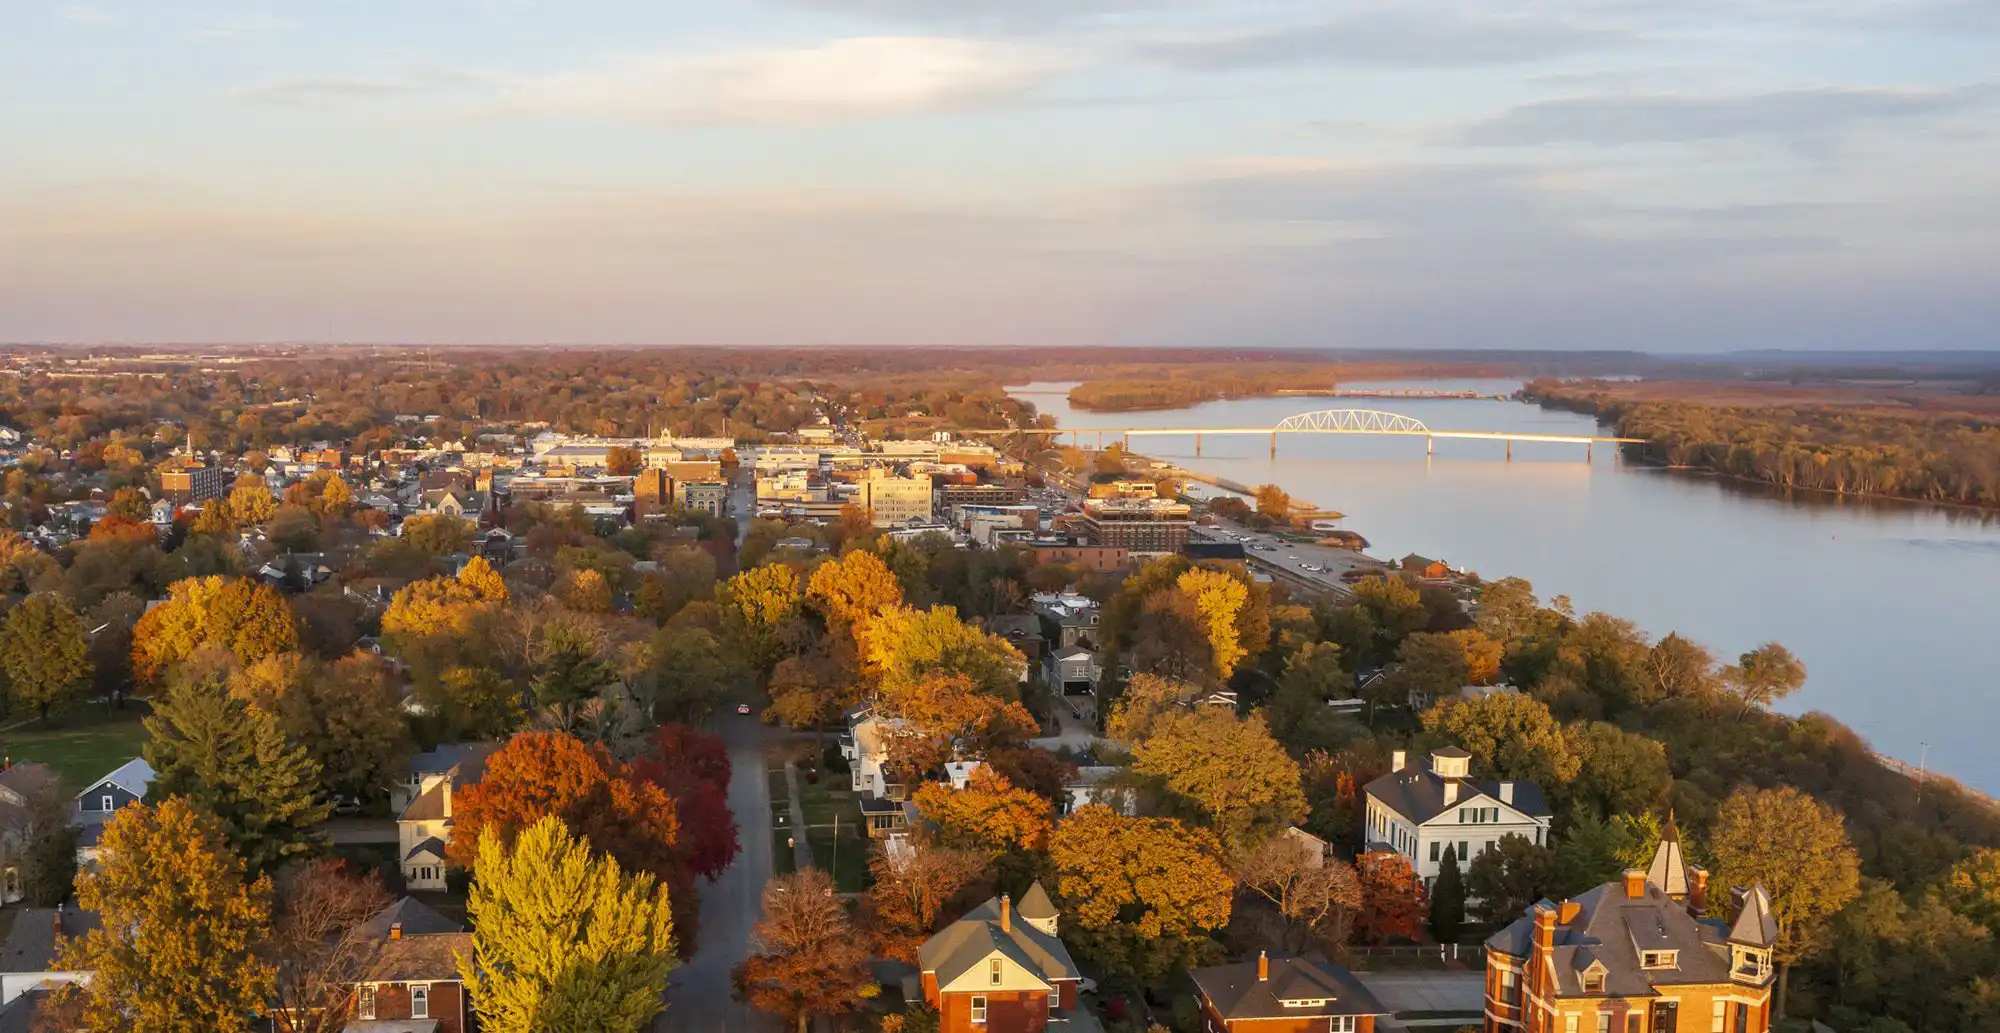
(1893, 606)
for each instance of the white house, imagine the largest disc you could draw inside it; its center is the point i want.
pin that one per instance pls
(1090, 786)
(1420, 811)
(866, 747)
(423, 829)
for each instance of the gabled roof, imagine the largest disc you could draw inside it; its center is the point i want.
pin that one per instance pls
(1417, 793)
(1238, 994)
(133, 776)
(31, 943)
(413, 915)
(431, 845)
(1035, 904)
(967, 943)
(1613, 929)
(1669, 869)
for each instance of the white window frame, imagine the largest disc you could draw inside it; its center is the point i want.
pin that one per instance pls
(1603, 1022)
(1055, 998)
(979, 1009)
(1570, 1023)
(1340, 1024)
(107, 802)
(420, 1000)
(995, 971)
(364, 1002)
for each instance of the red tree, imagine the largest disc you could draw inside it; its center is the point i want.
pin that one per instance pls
(1392, 898)
(627, 817)
(116, 527)
(693, 768)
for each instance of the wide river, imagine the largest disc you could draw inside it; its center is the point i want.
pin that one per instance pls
(1894, 607)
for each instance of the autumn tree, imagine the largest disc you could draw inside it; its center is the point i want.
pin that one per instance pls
(550, 774)
(1144, 892)
(320, 947)
(563, 937)
(990, 814)
(1219, 599)
(181, 926)
(1227, 769)
(443, 605)
(1510, 735)
(586, 591)
(693, 767)
(911, 892)
(437, 535)
(250, 620)
(44, 654)
(623, 460)
(1679, 669)
(943, 712)
(1312, 893)
(1765, 675)
(1392, 897)
(808, 959)
(348, 715)
(1482, 655)
(1797, 848)
(902, 646)
(468, 702)
(1273, 502)
(1147, 699)
(1972, 888)
(853, 589)
(755, 608)
(235, 761)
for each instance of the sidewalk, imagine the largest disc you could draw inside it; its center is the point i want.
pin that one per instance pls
(802, 851)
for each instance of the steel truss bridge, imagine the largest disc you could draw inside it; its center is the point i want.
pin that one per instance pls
(1324, 421)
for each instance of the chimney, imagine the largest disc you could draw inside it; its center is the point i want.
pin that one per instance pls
(1263, 966)
(1507, 793)
(395, 930)
(1545, 928)
(1006, 913)
(1635, 883)
(1396, 760)
(1697, 890)
(1450, 791)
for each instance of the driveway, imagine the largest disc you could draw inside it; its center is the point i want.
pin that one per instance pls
(699, 993)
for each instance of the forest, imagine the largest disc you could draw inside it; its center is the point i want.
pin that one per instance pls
(1936, 456)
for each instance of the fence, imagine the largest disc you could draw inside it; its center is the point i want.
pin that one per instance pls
(1471, 954)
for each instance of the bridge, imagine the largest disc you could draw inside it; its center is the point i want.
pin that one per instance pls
(1324, 421)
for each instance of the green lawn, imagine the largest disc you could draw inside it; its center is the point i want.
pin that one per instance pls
(82, 746)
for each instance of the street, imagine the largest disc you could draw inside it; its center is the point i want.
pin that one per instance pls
(699, 993)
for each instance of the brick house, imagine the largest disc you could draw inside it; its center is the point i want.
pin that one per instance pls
(1284, 995)
(998, 971)
(1636, 956)
(411, 985)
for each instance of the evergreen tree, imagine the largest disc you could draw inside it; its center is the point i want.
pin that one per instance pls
(562, 938)
(1448, 900)
(233, 759)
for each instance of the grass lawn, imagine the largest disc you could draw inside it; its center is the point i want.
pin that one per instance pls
(82, 746)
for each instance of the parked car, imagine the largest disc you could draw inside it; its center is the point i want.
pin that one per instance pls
(743, 708)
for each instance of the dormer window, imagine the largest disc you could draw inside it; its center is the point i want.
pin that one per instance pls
(1304, 1002)
(1593, 981)
(1660, 959)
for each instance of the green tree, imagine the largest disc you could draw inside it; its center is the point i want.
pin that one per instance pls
(1973, 887)
(1429, 667)
(234, 761)
(1510, 735)
(1765, 675)
(44, 654)
(1507, 878)
(179, 944)
(349, 717)
(756, 608)
(1619, 772)
(562, 938)
(1798, 849)
(1447, 917)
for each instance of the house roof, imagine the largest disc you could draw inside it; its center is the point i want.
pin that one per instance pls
(415, 917)
(1669, 869)
(1754, 925)
(1612, 928)
(26, 779)
(133, 776)
(21, 1013)
(965, 944)
(431, 845)
(425, 958)
(1035, 904)
(1237, 993)
(32, 942)
(1417, 793)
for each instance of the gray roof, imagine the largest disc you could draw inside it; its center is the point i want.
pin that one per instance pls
(448, 755)
(1036, 903)
(1237, 993)
(428, 958)
(133, 776)
(415, 917)
(432, 846)
(1417, 793)
(1613, 928)
(1754, 925)
(20, 1013)
(32, 943)
(1669, 869)
(968, 942)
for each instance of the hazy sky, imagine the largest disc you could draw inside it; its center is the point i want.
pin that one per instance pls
(1666, 174)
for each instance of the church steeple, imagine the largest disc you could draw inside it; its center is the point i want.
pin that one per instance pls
(1669, 868)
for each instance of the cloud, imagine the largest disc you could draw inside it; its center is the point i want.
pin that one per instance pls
(998, 15)
(843, 80)
(1393, 38)
(236, 27)
(89, 14)
(314, 92)
(1800, 117)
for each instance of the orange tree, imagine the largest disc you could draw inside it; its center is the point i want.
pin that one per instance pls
(1392, 898)
(990, 814)
(810, 960)
(1145, 892)
(913, 892)
(620, 813)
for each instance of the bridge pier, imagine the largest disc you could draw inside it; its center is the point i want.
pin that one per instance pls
(1274, 444)
(1197, 446)
(1128, 441)
(1430, 446)
(1100, 441)
(1589, 451)
(1510, 450)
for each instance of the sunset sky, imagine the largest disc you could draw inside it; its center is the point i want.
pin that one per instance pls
(1694, 175)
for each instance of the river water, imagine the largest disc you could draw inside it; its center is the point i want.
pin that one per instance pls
(1893, 606)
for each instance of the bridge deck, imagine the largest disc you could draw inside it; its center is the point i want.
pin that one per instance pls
(1476, 435)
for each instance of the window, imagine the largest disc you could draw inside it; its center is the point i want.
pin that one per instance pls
(1055, 999)
(1434, 850)
(993, 971)
(1635, 1023)
(1603, 1022)
(1721, 1017)
(1510, 987)
(979, 1010)
(1666, 1016)
(420, 1002)
(1462, 855)
(1660, 959)
(107, 803)
(1461, 815)
(1341, 1024)
(1593, 982)
(1569, 1024)
(365, 1006)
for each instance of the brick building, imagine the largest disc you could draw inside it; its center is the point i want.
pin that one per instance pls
(411, 982)
(996, 971)
(1284, 995)
(1636, 956)
(196, 484)
(1151, 526)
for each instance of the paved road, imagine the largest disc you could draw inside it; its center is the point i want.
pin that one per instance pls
(698, 993)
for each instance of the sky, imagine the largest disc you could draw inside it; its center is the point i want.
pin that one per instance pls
(1683, 176)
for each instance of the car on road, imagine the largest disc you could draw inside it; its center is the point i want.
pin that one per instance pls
(743, 708)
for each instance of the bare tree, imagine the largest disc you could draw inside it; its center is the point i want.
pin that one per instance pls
(1312, 893)
(319, 948)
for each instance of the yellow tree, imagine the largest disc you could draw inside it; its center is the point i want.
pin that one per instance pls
(1145, 892)
(1482, 655)
(1227, 768)
(443, 605)
(479, 576)
(854, 588)
(251, 504)
(182, 928)
(990, 814)
(1146, 699)
(587, 592)
(250, 620)
(754, 608)
(1219, 599)
(1797, 849)
(902, 646)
